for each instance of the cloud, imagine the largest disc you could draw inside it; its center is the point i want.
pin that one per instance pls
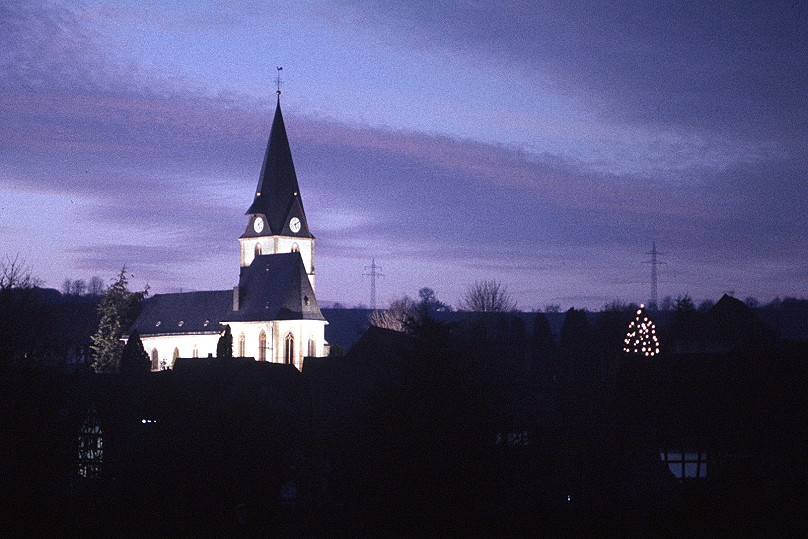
(737, 69)
(162, 177)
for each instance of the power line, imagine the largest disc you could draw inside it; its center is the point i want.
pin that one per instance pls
(374, 272)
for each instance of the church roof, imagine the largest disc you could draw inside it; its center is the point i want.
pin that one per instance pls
(278, 192)
(188, 312)
(276, 287)
(273, 287)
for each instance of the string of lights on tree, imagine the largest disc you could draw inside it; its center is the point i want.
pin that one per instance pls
(641, 337)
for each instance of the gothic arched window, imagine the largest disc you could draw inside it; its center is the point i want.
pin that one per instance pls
(175, 355)
(196, 351)
(289, 349)
(91, 447)
(312, 347)
(241, 344)
(257, 249)
(295, 248)
(262, 346)
(155, 359)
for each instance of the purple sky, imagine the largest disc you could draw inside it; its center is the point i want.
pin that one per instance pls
(542, 144)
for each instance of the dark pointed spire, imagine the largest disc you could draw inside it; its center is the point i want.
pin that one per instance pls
(278, 191)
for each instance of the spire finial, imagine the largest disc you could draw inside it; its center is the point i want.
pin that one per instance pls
(278, 81)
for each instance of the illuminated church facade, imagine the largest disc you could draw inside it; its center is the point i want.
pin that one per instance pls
(273, 312)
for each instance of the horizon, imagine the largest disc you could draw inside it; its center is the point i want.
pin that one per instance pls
(544, 147)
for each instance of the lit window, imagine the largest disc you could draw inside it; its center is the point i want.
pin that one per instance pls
(262, 346)
(295, 248)
(289, 349)
(685, 464)
(241, 344)
(91, 447)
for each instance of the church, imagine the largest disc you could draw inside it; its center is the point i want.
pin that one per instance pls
(272, 313)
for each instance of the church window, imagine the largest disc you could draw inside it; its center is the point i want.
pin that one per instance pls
(155, 359)
(176, 353)
(312, 347)
(289, 349)
(295, 248)
(196, 351)
(91, 447)
(690, 464)
(241, 344)
(257, 249)
(262, 346)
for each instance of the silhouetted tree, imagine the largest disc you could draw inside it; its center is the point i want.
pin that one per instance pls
(16, 273)
(706, 305)
(685, 326)
(78, 288)
(430, 302)
(21, 322)
(577, 347)
(134, 358)
(611, 325)
(487, 296)
(543, 349)
(224, 347)
(118, 309)
(96, 286)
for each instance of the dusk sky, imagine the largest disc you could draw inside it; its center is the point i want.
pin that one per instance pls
(544, 144)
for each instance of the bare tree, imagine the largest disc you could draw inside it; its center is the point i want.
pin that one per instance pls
(396, 317)
(16, 273)
(96, 286)
(487, 296)
(67, 287)
(79, 287)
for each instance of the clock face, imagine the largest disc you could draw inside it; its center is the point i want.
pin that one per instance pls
(258, 225)
(294, 224)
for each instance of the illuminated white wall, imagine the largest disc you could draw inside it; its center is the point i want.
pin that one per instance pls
(271, 245)
(276, 331)
(165, 345)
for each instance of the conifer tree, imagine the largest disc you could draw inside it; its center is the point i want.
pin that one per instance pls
(134, 358)
(118, 309)
(641, 337)
(224, 347)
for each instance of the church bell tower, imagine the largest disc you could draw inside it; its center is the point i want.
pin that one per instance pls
(277, 221)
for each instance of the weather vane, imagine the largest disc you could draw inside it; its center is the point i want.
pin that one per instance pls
(278, 81)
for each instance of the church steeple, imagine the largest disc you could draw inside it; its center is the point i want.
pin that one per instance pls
(277, 197)
(277, 222)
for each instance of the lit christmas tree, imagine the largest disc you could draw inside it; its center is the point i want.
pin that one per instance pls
(641, 338)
